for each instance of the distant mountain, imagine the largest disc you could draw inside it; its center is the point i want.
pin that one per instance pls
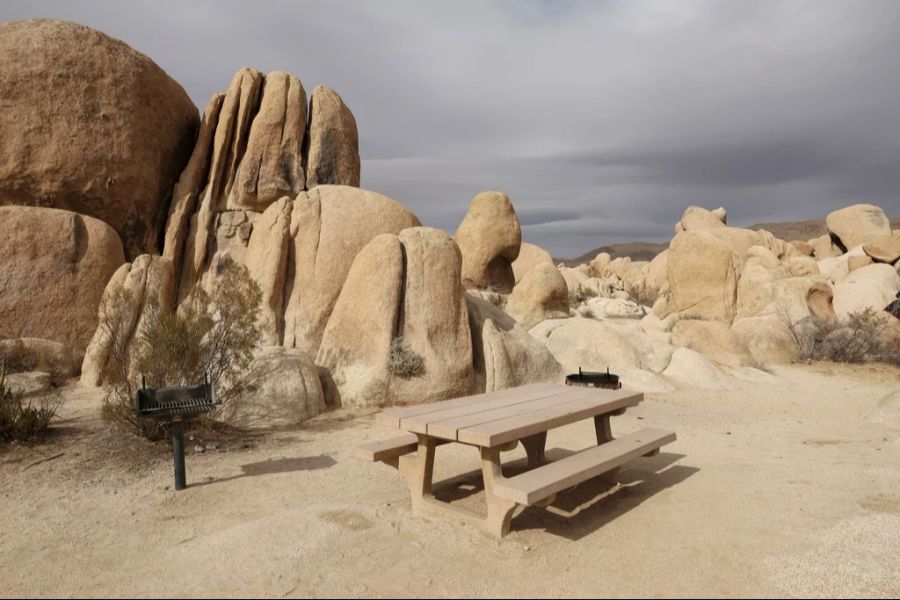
(802, 230)
(635, 250)
(788, 231)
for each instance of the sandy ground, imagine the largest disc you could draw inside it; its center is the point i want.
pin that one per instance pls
(789, 486)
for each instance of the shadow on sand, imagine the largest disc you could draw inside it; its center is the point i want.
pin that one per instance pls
(587, 507)
(278, 465)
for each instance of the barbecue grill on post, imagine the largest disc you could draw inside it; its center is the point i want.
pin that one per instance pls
(177, 404)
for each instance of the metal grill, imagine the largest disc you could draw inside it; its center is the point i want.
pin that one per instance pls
(594, 379)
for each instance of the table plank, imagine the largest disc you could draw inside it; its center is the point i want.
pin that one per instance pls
(421, 423)
(495, 433)
(448, 428)
(393, 416)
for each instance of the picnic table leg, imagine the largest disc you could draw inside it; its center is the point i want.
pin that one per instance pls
(419, 470)
(534, 447)
(499, 510)
(604, 435)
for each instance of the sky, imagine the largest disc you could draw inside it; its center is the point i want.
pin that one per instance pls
(602, 121)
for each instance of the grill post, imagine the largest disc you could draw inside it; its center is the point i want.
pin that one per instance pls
(178, 453)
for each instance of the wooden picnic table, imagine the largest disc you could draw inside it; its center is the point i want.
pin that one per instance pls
(496, 421)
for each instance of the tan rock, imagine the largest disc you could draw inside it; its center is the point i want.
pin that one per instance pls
(804, 248)
(272, 165)
(410, 289)
(266, 260)
(691, 368)
(330, 225)
(36, 354)
(92, 126)
(696, 218)
(489, 238)
(767, 338)
(529, 257)
(542, 294)
(858, 224)
(573, 278)
(824, 247)
(857, 262)
(885, 249)
(54, 265)
(504, 354)
(713, 339)
(333, 141)
(587, 343)
(801, 266)
(701, 276)
(873, 286)
(655, 281)
(287, 391)
(134, 290)
(599, 266)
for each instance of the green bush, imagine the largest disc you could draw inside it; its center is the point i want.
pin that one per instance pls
(21, 421)
(211, 336)
(403, 362)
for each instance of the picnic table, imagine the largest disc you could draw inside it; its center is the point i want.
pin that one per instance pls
(497, 421)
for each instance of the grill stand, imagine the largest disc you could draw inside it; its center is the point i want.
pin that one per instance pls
(178, 452)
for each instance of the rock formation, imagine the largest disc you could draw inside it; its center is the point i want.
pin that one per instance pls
(92, 126)
(489, 238)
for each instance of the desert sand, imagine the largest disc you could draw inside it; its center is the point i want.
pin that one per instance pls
(784, 486)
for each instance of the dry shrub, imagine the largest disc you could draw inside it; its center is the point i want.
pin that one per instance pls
(863, 337)
(21, 420)
(581, 294)
(403, 362)
(210, 337)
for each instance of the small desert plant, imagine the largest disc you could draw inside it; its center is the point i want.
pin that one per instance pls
(643, 295)
(403, 362)
(863, 337)
(497, 299)
(22, 421)
(581, 294)
(210, 337)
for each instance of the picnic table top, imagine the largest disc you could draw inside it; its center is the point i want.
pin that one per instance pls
(495, 418)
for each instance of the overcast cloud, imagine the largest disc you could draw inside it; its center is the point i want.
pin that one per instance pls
(601, 120)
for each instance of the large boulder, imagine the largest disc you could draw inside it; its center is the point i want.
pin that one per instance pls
(858, 224)
(489, 238)
(690, 367)
(874, 286)
(333, 141)
(399, 332)
(768, 339)
(713, 339)
(588, 344)
(132, 293)
(542, 294)
(885, 249)
(286, 391)
(92, 126)
(529, 257)
(54, 265)
(504, 355)
(701, 277)
(696, 218)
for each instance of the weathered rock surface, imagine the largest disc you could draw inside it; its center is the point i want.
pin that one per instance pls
(858, 224)
(767, 338)
(691, 368)
(133, 291)
(696, 218)
(54, 265)
(529, 257)
(489, 238)
(504, 354)
(612, 308)
(92, 126)
(885, 249)
(701, 276)
(333, 141)
(587, 343)
(36, 354)
(874, 286)
(287, 391)
(400, 287)
(713, 339)
(542, 294)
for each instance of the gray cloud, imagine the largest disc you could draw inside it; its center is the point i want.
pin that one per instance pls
(602, 120)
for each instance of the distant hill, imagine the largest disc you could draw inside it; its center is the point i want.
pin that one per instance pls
(802, 230)
(635, 250)
(788, 231)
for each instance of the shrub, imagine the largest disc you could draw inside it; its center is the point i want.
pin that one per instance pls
(581, 294)
(862, 338)
(403, 362)
(497, 299)
(21, 421)
(211, 336)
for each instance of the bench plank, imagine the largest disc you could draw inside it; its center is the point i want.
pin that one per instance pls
(384, 449)
(535, 485)
(448, 428)
(501, 431)
(392, 416)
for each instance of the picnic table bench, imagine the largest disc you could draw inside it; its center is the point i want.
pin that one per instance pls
(497, 421)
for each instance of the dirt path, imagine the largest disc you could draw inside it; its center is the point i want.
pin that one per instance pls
(789, 486)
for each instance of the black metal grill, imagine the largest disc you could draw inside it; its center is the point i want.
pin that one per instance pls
(177, 404)
(594, 379)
